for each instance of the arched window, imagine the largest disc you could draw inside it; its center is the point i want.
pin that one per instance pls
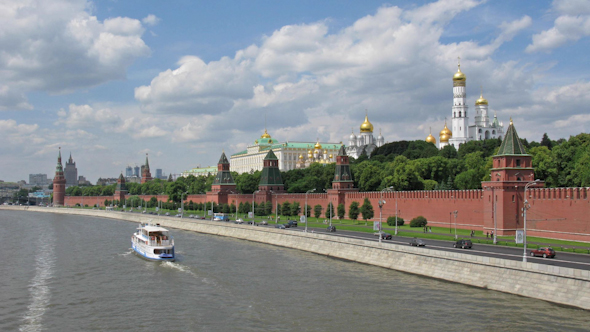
(459, 113)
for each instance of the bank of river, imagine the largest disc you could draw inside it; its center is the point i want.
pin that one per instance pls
(561, 285)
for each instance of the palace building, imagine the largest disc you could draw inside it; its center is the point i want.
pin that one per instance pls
(290, 155)
(462, 131)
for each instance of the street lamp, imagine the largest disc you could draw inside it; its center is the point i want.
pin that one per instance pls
(253, 214)
(455, 213)
(381, 203)
(526, 207)
(307, 192)
(182, 204)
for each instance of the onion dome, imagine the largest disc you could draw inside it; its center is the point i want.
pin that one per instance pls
(325, 151)
(481, 100)
(317, 145)
(265, 135)
(366, 127)
(445, 134)
(352, 136)
(380, 137)
(459, 78)
(331, 156)
(430, 138)
(300, 156)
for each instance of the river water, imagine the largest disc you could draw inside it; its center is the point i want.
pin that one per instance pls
(74, 273)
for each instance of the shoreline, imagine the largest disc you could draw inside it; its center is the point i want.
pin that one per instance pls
(565, 286)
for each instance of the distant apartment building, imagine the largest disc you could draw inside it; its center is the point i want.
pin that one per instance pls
(158, 173)
(71, 172)
(82, 181)
(128, 172)
(136, 171)
(38, 179)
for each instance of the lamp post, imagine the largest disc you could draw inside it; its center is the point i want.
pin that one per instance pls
(182, 204)
(253, 214)
(306, 221)
(396, 211)
(455, 213)
(524, 208)
(381, 203)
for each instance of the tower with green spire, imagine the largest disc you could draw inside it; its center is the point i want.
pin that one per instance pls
(271, 179)
(59, 183)
(503, 194)
(223, 180)
(343, 175)
(120, 190)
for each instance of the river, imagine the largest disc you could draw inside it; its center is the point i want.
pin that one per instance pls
(77, 273)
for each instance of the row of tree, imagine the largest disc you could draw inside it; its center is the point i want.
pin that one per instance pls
(405, 165)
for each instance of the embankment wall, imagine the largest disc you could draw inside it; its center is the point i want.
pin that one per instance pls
(545, 282)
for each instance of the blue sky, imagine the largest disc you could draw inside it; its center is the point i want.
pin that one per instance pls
(183, 80)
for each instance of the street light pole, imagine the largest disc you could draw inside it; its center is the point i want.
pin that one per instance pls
(182, 204)
(524, 208)
(253, 214)
(381, 203)
(455, 213)
(307, 221)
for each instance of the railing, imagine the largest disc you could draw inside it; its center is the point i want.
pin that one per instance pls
(169, 242)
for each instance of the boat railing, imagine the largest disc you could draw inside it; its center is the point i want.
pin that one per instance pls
(169, 242)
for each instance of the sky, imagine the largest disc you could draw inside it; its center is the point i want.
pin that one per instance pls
(109, 81)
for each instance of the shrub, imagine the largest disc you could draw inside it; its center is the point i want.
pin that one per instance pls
(418, 222)
(391, 221)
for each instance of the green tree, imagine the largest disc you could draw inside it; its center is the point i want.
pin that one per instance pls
(317, 211)
(295, 209)
(286, 208)
(341, 211)
(353, 210)
(329, 210)
(391, 221)
(367, 210)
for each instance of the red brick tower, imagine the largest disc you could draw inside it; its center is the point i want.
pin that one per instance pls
(59, 183)
(120, 190)
(342, 182)
(145, 171)
(223, 184)
(504, 193)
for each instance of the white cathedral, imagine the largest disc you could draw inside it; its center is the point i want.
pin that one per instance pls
(462, 131)
(364, 141)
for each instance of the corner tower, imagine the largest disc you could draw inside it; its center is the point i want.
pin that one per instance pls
(223, 182)
(512, 170)
(271, 179)
(120, 190)
(59, 183)
(342, 175)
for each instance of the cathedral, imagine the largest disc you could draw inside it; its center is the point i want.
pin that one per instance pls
(365, 141)
(463, 132)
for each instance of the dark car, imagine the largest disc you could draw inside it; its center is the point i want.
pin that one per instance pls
(417, 242)
(280, 226)
(292, 223)
(464, 244)
(544, 252)
(287, 225)
(331, 228)
(386, 236)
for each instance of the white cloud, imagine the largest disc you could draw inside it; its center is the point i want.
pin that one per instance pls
(572, 25)
(151, 20)
(58, 46)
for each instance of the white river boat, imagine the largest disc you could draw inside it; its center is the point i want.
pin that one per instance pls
(153, 242)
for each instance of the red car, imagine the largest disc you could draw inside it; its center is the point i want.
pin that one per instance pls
(545, 252)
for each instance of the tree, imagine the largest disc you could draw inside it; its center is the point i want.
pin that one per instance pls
(391, 221)
(367, 210)
(286, 209)
(353, 210)
(268, 208)
(419, 221)
(341, 211)
(329, 210)
(317, 211)
(295, 209)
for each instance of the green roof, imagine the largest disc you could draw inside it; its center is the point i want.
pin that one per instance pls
(271, 156)
(292, 145)
(223, 159)
(511, 144)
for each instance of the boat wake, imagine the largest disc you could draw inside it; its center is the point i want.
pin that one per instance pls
(127, 253)
(177, 266)
(39, 288)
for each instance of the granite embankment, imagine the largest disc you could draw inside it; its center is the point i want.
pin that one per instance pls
(550, 283)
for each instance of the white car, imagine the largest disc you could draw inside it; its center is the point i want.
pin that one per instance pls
(239, 221)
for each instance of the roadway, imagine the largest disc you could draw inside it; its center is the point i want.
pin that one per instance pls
(564, 259)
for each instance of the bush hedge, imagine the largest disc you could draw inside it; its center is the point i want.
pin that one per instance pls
(391, 221)
(419, 221)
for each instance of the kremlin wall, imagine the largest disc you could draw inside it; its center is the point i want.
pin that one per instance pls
(560, 213)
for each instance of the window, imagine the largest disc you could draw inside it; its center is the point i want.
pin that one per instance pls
(517, 162)
(512, 198)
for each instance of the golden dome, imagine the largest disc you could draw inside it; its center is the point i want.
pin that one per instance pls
(459, 76)
(265, 135)
(300, 156)
(445, 134)
(366, 127)
(431, 139)
(331, 156)
(325, 151)
(318, 146)
(481, 100)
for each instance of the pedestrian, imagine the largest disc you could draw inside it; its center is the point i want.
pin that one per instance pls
(492, 235)
(487, 235)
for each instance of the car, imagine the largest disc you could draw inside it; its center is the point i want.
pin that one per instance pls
(264, 222)
(217, 219)
(292, 223)
(250, 222)
(417, 242)
(384, 236)
(543, 252)
(287, 225)
(331, 228)
(179, 215)
(167, 213)
(464, 244)
(280, 226)
(191, 216)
